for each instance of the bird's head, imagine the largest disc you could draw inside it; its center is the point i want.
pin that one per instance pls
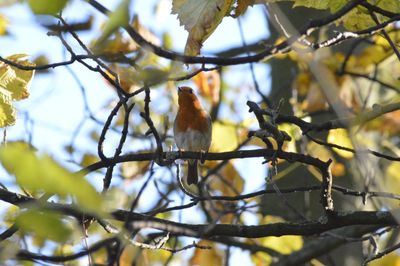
(187, 98)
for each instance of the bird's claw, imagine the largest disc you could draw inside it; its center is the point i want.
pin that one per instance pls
(180, 152)
(202, 154)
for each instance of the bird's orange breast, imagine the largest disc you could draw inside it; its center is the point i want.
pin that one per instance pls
(188, 118)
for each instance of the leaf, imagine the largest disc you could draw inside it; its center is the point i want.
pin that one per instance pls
(7, 110)
(226, 135)
(233, 183)
(200, 19)
(294, 132)
(332, 5)
(206, 257)
(150, 76)
(338, 169)
(390, 5)
(9, 248)
(15, 80)
(14, 84)
(3, 24)
(341, 137)
(315, 100)
(283, 244)
(88, 159)
(389, 259)
(44, 224)
(47, 7)
(116, 19)
(43, 173)
(357, 19)
(209, 84)
(132, 170)
(118, 43)
(302, 82)
(242, 6)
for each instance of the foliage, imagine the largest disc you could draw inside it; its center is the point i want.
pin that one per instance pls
(296, 173)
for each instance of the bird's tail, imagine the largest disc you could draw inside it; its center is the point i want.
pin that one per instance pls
(193, 174)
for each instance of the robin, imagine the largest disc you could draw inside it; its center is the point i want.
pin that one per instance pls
(192, 129)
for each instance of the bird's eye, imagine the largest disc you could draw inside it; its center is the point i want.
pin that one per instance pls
(190, 91)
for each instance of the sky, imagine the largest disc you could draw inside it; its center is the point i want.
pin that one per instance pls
(55, 104)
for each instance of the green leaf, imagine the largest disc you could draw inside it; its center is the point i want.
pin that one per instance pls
(150, 76)
(357, 19)
(43, 173)
(116, 19)
(332, 5)
(200, 19)
(44, 225)
(47, 7)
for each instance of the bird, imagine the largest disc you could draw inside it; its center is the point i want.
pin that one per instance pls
(192, 129)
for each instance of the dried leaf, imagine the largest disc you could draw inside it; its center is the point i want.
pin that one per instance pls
(200, 19)
(242, 6)
(209, 84)
(206, 257)
(132, 170)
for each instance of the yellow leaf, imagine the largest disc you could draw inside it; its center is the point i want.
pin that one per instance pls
(200, 19)
(294, 132)
(391, 259)
(88, 159)
(14, 84)
(225, 137)
(3, 24)
(341, 137)
(233, 183)
(393, 178)
(7, 110)
(282, 244)
(206, 257)
(15, 80)
(338, 169)
(302, 83)
(318, 151)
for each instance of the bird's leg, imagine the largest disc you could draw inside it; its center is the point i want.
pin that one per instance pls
(180, 152)
(202, 154)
